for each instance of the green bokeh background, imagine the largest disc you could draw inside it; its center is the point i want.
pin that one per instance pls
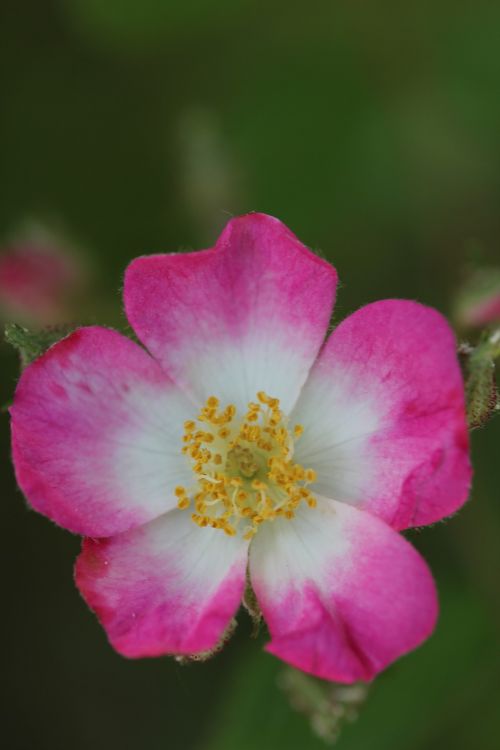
(373, 130)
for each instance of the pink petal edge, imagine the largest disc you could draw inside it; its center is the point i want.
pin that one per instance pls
(166, 588)
(259, 302)
(384, 415)
(342, 593)
(96, 434)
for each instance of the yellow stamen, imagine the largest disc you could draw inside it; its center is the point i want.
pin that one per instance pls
(248, 472)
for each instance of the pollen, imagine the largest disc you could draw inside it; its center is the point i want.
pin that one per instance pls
(243, 467)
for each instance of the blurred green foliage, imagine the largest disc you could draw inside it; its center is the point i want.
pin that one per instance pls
(371, 129)
(417, 704)
(150, 22)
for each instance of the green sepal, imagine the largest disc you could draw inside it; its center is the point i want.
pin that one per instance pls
(481, 392)
(210, 653)
(31, 344)
(252, 607)
(327, 705)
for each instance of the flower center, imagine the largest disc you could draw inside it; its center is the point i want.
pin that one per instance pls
(244, 468)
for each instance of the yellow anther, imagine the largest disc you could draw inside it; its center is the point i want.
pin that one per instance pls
(249, 471)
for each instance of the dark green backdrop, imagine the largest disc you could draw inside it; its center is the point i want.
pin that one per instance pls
(373, 130)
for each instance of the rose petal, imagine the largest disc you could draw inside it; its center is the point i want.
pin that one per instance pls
(169, 587)
(384, 415)
(97, 434)
(248, 315)
(342, 593)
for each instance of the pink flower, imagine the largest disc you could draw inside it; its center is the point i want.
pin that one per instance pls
(240, 439)
(486, 312)
(478, 303)
(38, 277)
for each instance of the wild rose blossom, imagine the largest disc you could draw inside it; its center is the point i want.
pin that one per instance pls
(478, 304)
(488, 311)
(38, 277)
(241, 440)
